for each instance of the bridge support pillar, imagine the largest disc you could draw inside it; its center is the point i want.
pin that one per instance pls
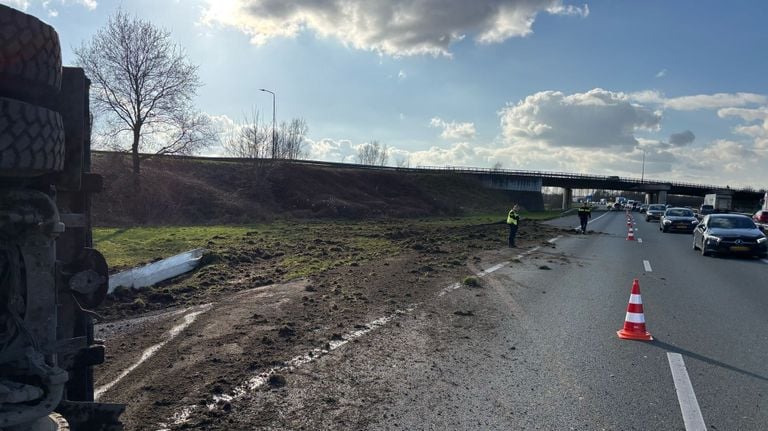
(567, 198)
(662, 197)
(650, 198)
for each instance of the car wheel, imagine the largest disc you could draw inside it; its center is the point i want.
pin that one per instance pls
(664, 229)
(704, 251)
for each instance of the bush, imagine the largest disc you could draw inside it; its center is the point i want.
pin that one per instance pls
(471, 282)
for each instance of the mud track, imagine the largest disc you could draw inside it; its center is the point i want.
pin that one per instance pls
(231, 347)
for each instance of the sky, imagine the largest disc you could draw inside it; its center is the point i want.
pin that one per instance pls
(670, 91)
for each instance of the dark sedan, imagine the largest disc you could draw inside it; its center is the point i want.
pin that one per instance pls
(729, 234)
(655, 211)
(678, 219)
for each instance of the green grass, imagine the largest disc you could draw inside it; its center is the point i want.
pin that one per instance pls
(361, 240)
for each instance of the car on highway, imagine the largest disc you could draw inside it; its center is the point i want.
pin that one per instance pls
(761, 217)
(655, 211)
(729, 234)
(678, 219)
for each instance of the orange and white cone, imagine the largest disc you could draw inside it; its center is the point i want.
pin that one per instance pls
(631, 234)
(634, 323)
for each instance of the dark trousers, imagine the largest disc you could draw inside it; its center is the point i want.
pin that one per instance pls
(584, 221)
(512, 234)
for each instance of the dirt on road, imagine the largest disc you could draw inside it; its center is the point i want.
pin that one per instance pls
(237, 330)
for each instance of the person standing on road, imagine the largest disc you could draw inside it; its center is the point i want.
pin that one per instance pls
(585, 213)
(512, 219)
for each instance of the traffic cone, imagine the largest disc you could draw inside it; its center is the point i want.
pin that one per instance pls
(634, 323)
(630, 234)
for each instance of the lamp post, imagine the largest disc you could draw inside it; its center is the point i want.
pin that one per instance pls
(274, 129)
(642, 173)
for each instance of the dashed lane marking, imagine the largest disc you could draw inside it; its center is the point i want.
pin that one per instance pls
(647, 266)
(640, 240)
(552, 241)
(689, 406)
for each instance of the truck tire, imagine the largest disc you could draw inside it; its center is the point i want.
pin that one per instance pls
(30, 56)
(31, 139)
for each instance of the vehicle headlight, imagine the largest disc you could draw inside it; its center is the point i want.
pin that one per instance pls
(713, 239)
(762, 240)
(694, 222)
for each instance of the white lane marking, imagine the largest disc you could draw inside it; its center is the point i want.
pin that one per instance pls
(552, 241)
(150, 351)
(493, 268)
(533, 250)
(640, 240)
(689, 406)
(647, 266)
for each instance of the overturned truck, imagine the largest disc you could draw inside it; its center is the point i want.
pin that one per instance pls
(50, 276)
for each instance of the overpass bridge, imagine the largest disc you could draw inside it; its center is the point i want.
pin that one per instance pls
(656, 191)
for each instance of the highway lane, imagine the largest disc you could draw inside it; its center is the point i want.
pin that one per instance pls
(712, 311)
(553, 315)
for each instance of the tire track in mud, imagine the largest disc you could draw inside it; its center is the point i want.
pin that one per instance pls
(183, 416)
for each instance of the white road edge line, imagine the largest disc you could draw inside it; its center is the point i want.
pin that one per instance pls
(640, 240)
(552, 241)
(647, 266)
(689, 406)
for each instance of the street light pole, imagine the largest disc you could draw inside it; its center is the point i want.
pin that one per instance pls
(642, 174)
(274, 124)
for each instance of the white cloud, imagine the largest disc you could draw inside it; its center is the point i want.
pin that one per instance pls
(595, 119)
(699, 101)
(331, 150)
(46, 4)
(394, 27)
(662, 73)
(714, 101)
(758, 132)
(16, 4)
(401, 75)
(453, 130)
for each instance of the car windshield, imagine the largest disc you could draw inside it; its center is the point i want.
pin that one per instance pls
(656, 208)
(679, 213)
(731, 223)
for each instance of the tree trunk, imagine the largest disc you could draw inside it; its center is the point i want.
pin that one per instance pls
(135, 154)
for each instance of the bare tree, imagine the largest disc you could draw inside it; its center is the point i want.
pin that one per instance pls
(253, 139)
(249, 140)
(497, 166)
(142, 86)
(373, 153)
(290, 139)
(403, 161)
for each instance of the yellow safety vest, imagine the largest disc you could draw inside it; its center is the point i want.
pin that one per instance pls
(512, 217)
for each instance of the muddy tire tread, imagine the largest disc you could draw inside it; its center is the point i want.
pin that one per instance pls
(31, 138)
(30, 55)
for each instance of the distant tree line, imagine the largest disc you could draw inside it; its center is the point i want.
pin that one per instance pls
(256, 139)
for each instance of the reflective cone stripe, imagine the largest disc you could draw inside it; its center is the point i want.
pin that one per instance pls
(634, 322)
(630, 235)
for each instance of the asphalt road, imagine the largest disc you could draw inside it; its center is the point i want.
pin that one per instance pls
(540, 350)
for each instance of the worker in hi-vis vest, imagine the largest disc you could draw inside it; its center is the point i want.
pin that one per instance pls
(585, 213)
(513, 218)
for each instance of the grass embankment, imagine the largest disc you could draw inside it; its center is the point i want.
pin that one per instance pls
(129, 247)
